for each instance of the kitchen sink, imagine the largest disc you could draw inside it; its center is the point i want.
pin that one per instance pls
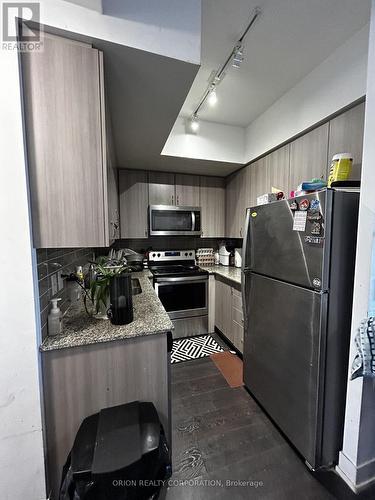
(136, 286)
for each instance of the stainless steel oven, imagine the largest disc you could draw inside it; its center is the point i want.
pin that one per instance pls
(184, 296)
(182, 288)
(170, 220)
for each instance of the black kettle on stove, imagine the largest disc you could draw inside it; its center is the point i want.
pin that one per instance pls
(120, 311)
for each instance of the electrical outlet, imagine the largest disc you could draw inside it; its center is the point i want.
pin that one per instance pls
(60, 281)
(54, 284)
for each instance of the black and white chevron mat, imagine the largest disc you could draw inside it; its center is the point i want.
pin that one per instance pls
(194, 348)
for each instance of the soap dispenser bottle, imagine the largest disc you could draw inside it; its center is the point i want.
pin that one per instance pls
(54, 319)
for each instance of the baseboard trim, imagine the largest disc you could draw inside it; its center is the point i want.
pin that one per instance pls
(357, 478)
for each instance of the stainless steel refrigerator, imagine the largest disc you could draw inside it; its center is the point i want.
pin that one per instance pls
(298, 265)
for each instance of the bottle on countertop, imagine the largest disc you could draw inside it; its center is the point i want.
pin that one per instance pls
(79, 273)
(54, 319)
(217, 258)
(231, 258)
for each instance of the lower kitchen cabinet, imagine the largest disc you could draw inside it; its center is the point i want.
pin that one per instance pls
(80, 381)
(228, 313)
(237, 319)
(223, 300)
(133, 189)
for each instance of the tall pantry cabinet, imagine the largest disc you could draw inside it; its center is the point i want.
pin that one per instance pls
(72, 182)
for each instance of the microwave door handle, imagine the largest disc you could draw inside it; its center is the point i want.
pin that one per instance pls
(193, 220)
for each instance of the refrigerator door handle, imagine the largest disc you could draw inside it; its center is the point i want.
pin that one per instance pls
(244, 277)
(245, 265)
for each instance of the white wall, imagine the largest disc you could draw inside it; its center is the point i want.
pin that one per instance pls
(21, 445)
(214, 141)
(335, 83)
(158, 37)
(357, 459)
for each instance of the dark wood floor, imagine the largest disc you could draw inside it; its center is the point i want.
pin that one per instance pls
(221, 434)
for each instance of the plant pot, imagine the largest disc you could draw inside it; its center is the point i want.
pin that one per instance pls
(102, 313)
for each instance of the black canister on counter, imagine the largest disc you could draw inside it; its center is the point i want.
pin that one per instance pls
(120, 311)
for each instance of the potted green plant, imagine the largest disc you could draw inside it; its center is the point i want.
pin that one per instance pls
(105, 269)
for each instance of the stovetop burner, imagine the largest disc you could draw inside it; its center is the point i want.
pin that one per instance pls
(179, 270)
(174, 263)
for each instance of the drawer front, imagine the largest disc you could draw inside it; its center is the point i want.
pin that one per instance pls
(237, 339)
(237, 299)
(237, 316)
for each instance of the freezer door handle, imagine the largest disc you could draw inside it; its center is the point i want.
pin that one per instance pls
(245, 277)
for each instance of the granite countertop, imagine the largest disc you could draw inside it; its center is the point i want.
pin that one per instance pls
(228, 272)
(150, 318)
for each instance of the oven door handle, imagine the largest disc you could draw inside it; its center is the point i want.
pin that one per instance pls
(193, 220)
(182, 279)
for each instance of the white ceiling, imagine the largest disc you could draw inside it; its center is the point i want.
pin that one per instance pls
(289, 39)
(146, 91)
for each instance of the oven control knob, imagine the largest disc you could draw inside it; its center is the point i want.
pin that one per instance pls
(186, 254)
(190, 254)
(154, 254)
(158, 254)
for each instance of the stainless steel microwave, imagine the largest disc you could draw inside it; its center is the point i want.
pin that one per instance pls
(170, 220)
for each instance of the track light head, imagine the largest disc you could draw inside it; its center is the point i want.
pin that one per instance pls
(212, 97)
(194, 123)
(237, 57)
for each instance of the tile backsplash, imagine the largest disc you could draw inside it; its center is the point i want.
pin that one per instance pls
(174, 243)
(50, 261)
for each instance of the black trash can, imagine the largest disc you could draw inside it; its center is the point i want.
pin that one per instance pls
(118, 453)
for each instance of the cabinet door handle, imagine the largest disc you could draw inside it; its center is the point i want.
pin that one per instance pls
(241, 232)
(178, 201)
(145, 232)
(172, 199)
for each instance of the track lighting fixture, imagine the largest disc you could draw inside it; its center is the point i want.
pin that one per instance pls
(234, 59)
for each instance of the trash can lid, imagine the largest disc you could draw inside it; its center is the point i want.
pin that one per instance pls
(124, 434)
(84, 446)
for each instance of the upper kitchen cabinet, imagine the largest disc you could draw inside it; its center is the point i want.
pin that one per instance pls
(271, 171)
(161, 188)
(64, 107)
(277, 166)
(174, 189)
(346, 136)
(133, 189)
(187, 190)
(308, 156)
(212, 202)
(259, 183)
(236, 201)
